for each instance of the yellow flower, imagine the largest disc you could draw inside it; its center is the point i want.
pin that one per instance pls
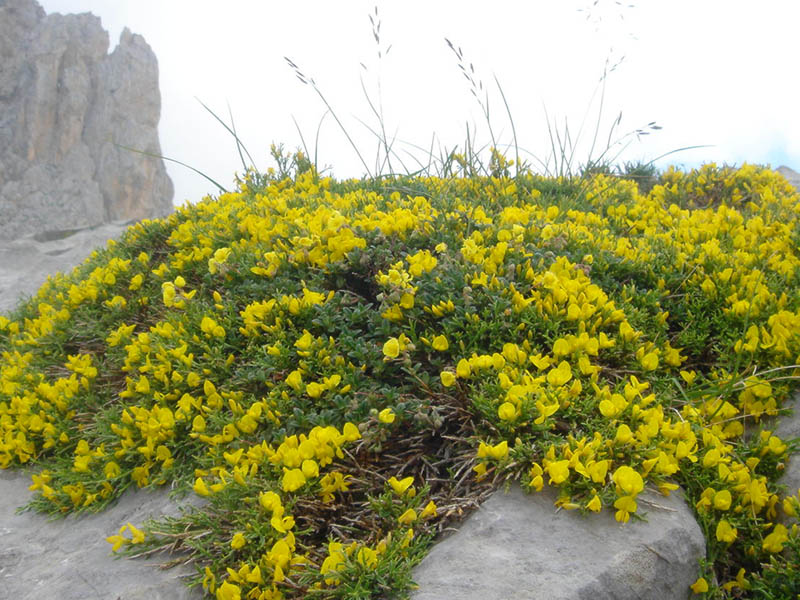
(255, 575)
(537, 482)
(624, 434)
(295, 380)
(448, 378)
(310, 468)
(220, 257)
(386, 416)
(507, 411)
(739, 582)
(649, 361)
(558, 471)
(211, 328)
(209, 581)
(440, 343)
(168, 293)
(137, 534)
(429, 510)
(391, 349)
(408, 517)
(293, 479)
(351, 432)
(305, 341)
(400, 486)
(280, 523)
(711, 458)
(774, 541)
(463, 370)
(118, 539)
(775, 445)
(595, 504)
(722, 500)
(200, 487)
(789, 504)
(143, 385)
(726, 533)
(314, 389)
(233, 458)
(498, 361)
(666, 488)
(238, 540)
(700, 586)
(545, 410)
(559, 375)
(136, 282)
(598, 470)
(625, 505)
(229, 591)
(407, 301)
(561, 347)
(628, 480)
(497, 452)
(367, 557)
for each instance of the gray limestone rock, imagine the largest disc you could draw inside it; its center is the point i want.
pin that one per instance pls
(25, 263)
(66, 107)
(516, 546)
(69, 558)
(791, 175)
(788, 428)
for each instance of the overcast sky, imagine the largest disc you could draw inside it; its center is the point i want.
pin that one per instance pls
(709, 72)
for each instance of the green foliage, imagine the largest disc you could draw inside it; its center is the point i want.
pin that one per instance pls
(341, 369)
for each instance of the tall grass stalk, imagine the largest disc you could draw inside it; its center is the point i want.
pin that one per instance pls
(310, 81)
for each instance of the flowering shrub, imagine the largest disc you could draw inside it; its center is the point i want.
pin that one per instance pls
(341, 368)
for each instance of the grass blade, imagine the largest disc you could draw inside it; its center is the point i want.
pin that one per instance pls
(162, 157)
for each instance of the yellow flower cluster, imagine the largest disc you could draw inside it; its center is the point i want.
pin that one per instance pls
(258, 346)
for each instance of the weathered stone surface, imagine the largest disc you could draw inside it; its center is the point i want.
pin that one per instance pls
(516, 546)
(64, 104)
(791, 176)
(25, 263)
(788, 427)
(69, 558)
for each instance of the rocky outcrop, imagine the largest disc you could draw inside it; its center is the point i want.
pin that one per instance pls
(66, 107)
(788, 428)
(69, 559)
(517, 546)
(791, 175)
(25, 263)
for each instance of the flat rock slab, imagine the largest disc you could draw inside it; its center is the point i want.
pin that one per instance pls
(26, 262)
(69, 558)
(788, 428)
(517, 546)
